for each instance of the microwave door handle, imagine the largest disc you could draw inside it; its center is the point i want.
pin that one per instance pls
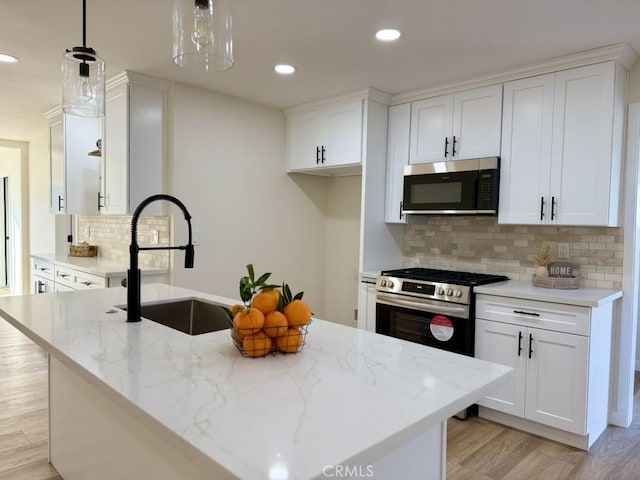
(394, 301)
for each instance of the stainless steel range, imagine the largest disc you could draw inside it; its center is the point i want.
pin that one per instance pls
(428, 306)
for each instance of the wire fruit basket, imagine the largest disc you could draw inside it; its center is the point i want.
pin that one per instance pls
(252, 342)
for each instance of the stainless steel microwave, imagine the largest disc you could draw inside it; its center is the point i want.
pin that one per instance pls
(463, 187)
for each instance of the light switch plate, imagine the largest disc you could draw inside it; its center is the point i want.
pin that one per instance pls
(155, 237)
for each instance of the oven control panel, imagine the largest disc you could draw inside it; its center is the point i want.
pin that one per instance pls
(424, 289)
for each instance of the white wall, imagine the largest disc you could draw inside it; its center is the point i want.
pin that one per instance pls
(41, 222)
(343, 243)
(227, 164)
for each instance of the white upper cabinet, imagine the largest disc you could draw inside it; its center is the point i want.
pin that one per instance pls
(561, 157)
(74, 173)
(322, 139)
(134, 145)
(397, 158)
(457, 126)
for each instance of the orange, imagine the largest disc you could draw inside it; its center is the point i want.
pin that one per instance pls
(298, 313)
(291, 341)
(256, 344)
(236, 308)
(275, 324)
(272, 291)
(265, 302)
(248, 320)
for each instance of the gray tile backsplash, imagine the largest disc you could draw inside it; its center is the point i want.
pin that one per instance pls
(479, 244)
(112, 234)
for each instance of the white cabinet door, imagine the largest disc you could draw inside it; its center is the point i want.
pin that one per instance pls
(41, 285)
(306, 135)
(455, 127)
(561, 148)
(328, 137)
(115, 152)
(582, 145)
(367, 306)
(504, 344)
(556, 391)
(134, 144)
(74, 181)
(56, 158)
(397, 159)
(525, 163)
(477, 116)
(344, 135)
(431, 123)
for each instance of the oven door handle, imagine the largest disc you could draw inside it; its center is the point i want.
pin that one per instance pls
(394, 301)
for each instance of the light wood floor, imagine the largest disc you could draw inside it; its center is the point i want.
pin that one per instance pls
(477, 449)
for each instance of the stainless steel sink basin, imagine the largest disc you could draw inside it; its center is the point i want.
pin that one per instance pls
(192, 316)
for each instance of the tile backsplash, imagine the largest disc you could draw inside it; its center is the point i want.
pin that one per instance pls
(479, 244)
(112, 234)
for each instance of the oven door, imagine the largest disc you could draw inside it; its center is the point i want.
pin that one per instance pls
(436, 324)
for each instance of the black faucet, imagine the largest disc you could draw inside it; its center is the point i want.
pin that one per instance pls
(133, 274)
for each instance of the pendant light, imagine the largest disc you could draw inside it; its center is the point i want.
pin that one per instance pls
(83, 78)
(202, 35)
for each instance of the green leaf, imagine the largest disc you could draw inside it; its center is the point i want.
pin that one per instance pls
(287, 292)
(245, 295)
(251, 272)
(268, 287)
(298, 296)
(263, 278)
(280, 304)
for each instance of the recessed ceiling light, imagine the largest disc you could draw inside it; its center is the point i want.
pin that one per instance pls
(388, 34)
(284, 69)
(6, 58)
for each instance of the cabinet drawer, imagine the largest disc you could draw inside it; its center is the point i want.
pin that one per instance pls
(531, 313)
(43, 269)
(62, 288)
(78, 280)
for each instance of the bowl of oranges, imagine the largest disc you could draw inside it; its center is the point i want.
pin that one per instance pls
(271, 320)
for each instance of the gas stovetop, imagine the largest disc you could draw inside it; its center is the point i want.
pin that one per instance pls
(428, 283)
(445, 276)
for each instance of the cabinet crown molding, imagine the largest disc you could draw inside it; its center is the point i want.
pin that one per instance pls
(124, 77)
(134, 77)
(621, 53)
(363, 94)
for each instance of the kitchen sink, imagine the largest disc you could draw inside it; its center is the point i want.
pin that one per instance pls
(192, 316)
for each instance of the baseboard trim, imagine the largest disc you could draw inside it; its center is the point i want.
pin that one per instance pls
(578, 441)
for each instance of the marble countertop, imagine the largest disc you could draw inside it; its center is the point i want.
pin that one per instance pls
(586, 297)
(94, 265)
(349, 395)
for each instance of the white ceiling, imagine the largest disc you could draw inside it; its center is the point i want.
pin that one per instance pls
(330, 41)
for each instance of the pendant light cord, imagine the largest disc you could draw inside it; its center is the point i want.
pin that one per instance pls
(84, 23)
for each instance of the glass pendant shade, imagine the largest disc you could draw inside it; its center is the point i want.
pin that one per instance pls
(83, 83)
(202, 35)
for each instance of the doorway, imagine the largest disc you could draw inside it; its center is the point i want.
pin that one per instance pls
(14, 215)
(5, 245)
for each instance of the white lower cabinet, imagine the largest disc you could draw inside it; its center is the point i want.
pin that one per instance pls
(367, 306)
(560, 356)
(550, 378)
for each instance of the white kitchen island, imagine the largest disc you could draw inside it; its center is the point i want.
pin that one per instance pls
(141, 400)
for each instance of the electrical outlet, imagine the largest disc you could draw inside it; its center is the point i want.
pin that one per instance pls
(563, 250)
(87, 232)
(155, 237)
